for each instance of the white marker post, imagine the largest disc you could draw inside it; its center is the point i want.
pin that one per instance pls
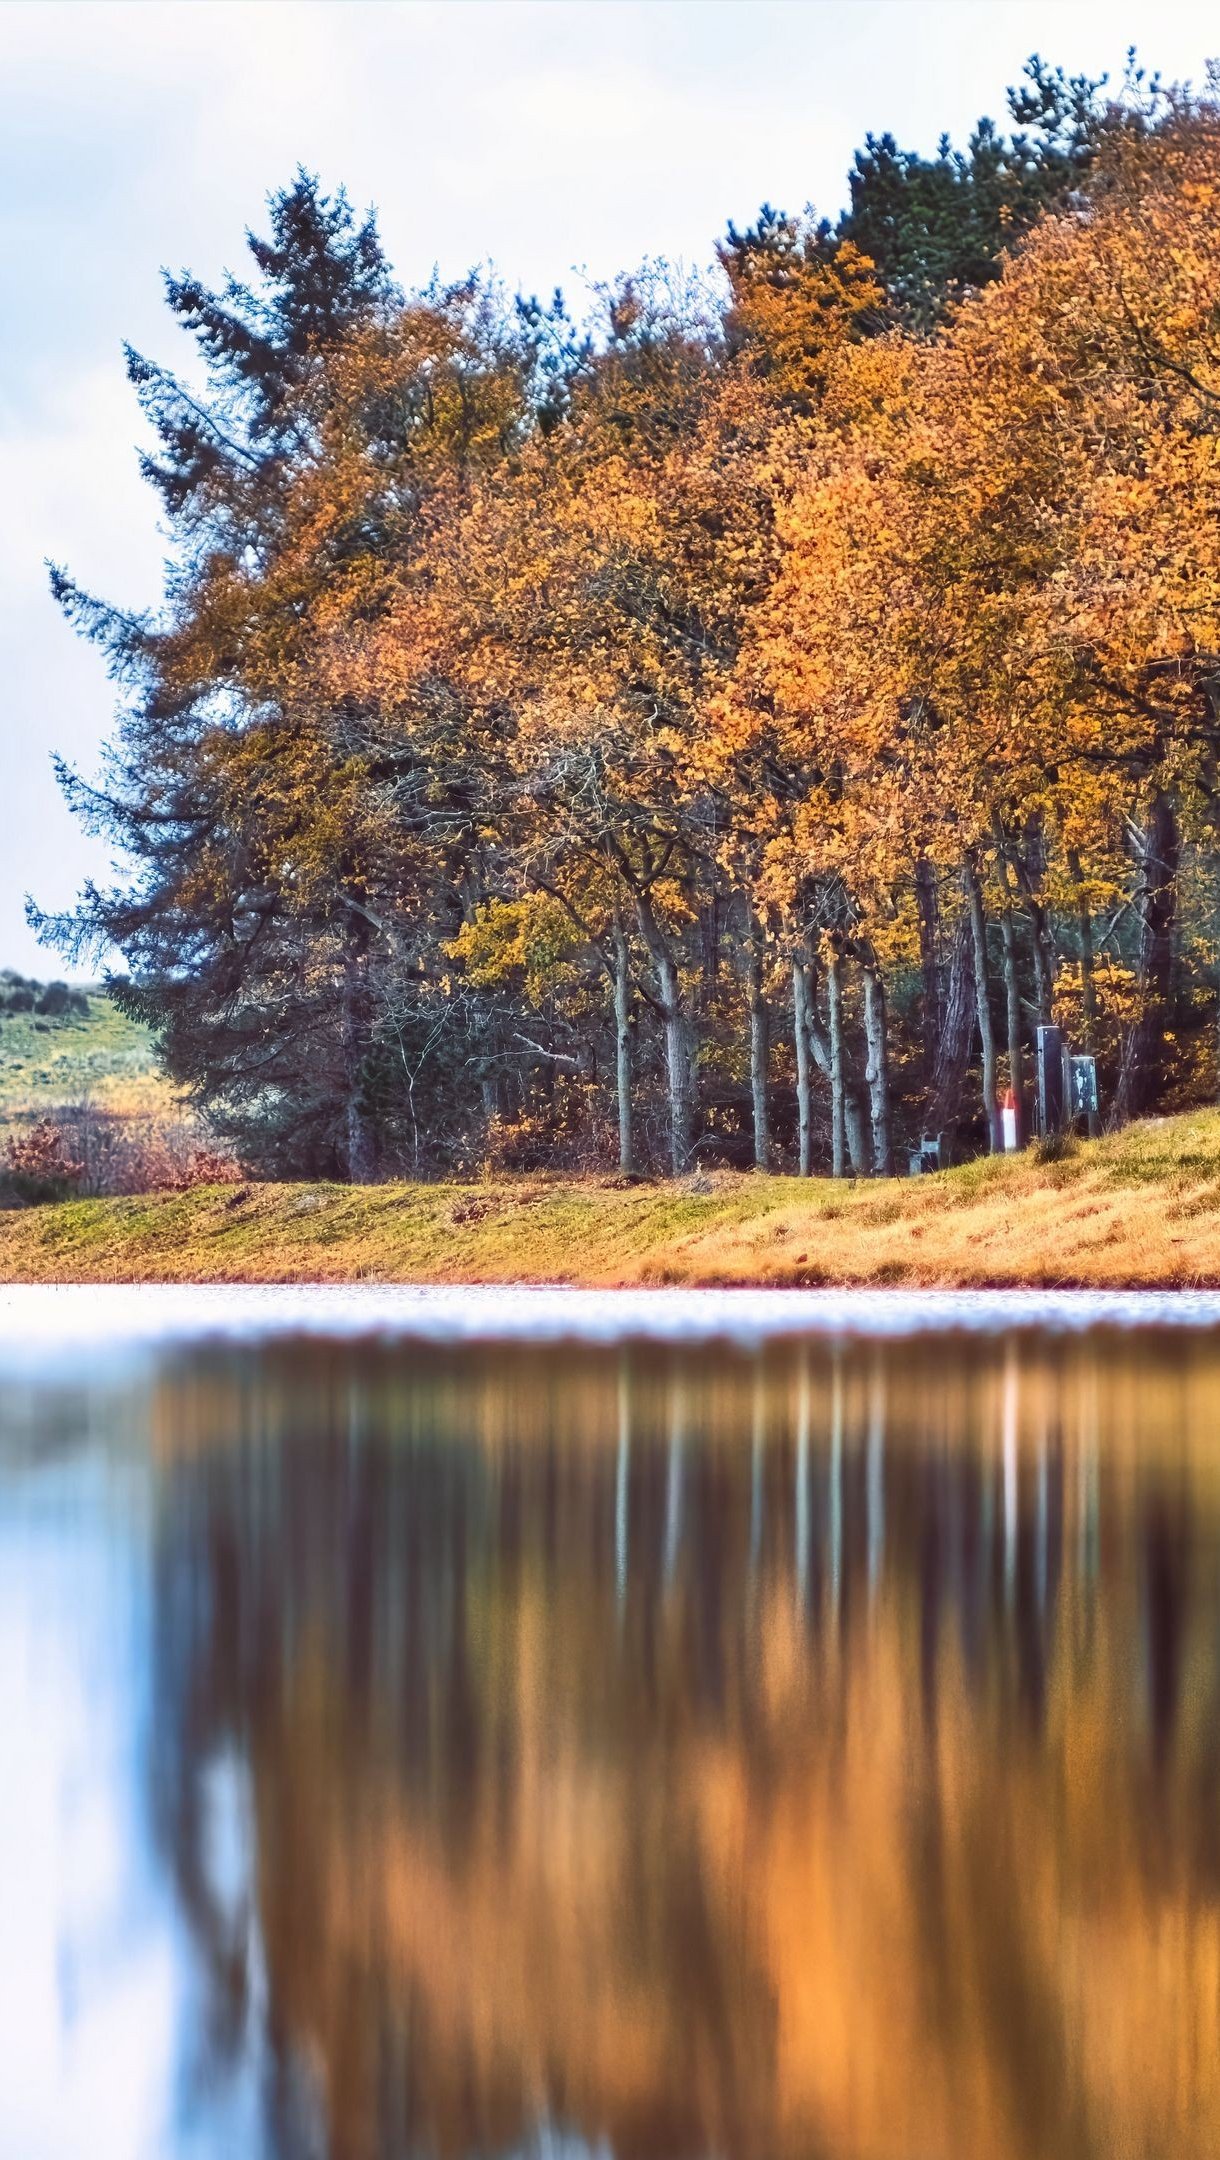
(1008, 1122)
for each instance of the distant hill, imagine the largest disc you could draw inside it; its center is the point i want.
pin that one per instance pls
(63, 1044)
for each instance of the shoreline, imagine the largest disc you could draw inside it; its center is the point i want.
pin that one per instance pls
(96, 1323)
(1138, 1210)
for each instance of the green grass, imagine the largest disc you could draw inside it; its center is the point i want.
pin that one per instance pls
(105, 1059)
(1140, 1208)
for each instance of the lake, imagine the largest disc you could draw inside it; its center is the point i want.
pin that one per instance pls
(773, 1731)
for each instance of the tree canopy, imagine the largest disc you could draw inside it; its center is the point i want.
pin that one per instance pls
(721, 729)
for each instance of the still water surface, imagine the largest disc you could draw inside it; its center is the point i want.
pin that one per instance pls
(659, 1752)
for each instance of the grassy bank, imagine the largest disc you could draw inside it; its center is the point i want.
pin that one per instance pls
(1141, 1208)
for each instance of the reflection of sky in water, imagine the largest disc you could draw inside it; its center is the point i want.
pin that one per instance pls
(98, 1987)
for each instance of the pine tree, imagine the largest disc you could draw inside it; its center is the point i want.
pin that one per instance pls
(937, 228)
(223, 951)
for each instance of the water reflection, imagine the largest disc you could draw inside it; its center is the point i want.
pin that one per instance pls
(634, 1753)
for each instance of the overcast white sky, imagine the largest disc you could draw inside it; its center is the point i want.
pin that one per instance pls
(550, 135)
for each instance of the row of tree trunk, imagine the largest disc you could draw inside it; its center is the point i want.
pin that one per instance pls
(861, 1115)
(956, 1003)
(957, 1014)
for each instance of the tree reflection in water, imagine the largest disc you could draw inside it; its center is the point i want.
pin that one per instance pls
(679, 1754)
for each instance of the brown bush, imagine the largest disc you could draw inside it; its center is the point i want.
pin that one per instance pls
(39, 1166)
(104, 1153)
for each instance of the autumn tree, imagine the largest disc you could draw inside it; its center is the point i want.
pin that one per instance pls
(727, 726)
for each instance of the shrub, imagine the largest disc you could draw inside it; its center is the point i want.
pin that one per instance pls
(1055, 1147)
(102, 1153)
(206, 1166)
(38, 1166)
(138, 1155)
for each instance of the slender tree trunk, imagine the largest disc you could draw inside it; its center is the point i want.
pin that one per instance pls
(1088, 982)
(878, 1070)
(953, 1049)
(1012, 994)
(622, 1050)
(800, 1030)
(1216, 971)
(678, 1067)
(978, 935)
(359, 1146)
(1141, 1069)
(855, 1120)
(678, 1063)
(855, 1117)
(1044, 961)
(1029, 862)
(838, 1115)
(932, 1011)
(760, 1031)
(709, 942)
(1012, 985)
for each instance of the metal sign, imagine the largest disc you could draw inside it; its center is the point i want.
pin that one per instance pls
(1082, 1075)
(927, 1157)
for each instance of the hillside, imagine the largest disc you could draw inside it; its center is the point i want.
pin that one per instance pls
(49, 1059)
(1141, 1208)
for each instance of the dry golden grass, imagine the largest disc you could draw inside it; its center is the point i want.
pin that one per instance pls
(1141, 1208)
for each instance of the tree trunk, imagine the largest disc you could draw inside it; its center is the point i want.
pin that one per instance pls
(1044, 961)
(953, 1048)
(1029, 862)
(359, 1148)
(800, 1030)
(854, 1115)
(622, 1051)
(677, 1037)
(1088, 983)
(1142, 1067)
(1012, 994)
(855, 1119)
(878, 1069)
(1012, 982)
(678, 1068)
(978, 938)
(838, 1112)
(759, 1047)
(1216, 971)
(932, 1004)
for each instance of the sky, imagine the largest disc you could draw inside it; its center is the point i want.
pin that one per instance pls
(562, 139)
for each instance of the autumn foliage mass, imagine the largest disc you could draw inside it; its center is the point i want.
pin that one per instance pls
(719, 729)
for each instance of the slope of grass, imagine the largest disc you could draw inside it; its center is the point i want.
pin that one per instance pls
(104, 1058)
(1141, 1208)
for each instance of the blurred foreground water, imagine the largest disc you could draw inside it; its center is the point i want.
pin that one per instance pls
(672, 1751)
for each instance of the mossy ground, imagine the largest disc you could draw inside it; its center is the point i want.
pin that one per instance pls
(1141, 1208)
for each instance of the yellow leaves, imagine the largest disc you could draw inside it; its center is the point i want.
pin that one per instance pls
(530, 940)
(795, 306)
(800, 606)
(991, 545)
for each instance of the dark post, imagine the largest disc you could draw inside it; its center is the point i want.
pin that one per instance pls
(1050, 1080)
